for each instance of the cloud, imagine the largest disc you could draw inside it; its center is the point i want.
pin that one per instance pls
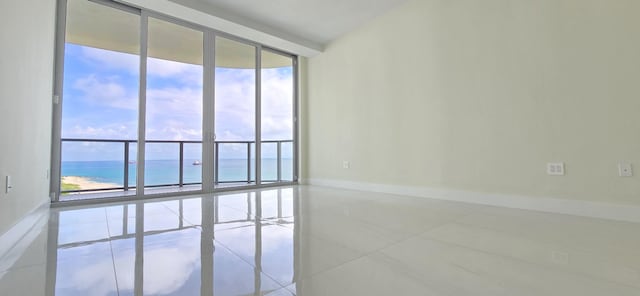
(185, 73)
(235, 104)
(106, 91)
(106, 100)
(110, 131)
(174, 114)
(277, 105)
(111, 60)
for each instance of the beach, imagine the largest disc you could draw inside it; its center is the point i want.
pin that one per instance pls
(86, 183)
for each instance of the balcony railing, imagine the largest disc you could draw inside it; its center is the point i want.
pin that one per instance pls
(181, 144)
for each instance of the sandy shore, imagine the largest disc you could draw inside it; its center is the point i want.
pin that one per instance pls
(86, 183)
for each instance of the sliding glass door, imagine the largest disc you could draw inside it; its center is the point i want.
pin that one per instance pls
(235, 113)
(154, 105)
(277, 117)
(174, 114)
(99, 112)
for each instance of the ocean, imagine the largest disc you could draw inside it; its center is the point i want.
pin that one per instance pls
(163, 172)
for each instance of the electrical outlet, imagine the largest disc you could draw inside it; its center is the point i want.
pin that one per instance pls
(625, 169)
(346, 164)
(555, 168)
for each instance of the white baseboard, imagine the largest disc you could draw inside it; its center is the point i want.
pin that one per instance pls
(20, 236)
(591, 209)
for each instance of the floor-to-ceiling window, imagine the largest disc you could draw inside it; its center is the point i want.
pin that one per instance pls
(277, 126)
(174, 114)
(235, 112)
(229, 244)
(100, 99)
(154, 105)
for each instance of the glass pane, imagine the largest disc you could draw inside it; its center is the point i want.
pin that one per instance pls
(133, 170)
(192, 165)
(286, 162)
(100, 96)
(161, 164)
(269, 169)
(277, 117)
(81, 170)
(233, 165)
(234, 111)
(174, 107)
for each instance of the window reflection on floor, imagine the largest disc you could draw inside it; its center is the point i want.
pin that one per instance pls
(232, 244)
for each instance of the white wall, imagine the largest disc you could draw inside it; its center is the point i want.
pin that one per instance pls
(26, 69)
(480, 95)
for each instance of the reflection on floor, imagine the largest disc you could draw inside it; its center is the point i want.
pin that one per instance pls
(318, 241)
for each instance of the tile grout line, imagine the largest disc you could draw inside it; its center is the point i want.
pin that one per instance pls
(113, 259)
(456, 221)
(178, 215)
(544, 242)
(249, 263)
(505, 232)
(365, 253)
(378, 250)
(546, 267)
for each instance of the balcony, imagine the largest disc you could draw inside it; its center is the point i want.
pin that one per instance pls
(87, 179)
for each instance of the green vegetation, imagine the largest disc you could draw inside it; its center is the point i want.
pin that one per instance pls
(69, 186)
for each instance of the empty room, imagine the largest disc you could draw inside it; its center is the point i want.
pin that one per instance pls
(320, 147)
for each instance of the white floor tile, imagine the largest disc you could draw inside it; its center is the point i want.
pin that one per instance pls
(452, 269)
(368, 275)
(29, 280)
(309, 241)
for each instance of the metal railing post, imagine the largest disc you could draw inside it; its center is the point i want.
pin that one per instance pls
(279, 161)
(249, 162)
(126, 166)
(181, 178)
(216, 163)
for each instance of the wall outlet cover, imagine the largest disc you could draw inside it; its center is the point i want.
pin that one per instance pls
(625, 169)
(555, 168)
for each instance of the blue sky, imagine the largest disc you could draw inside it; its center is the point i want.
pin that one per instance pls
(100, 96)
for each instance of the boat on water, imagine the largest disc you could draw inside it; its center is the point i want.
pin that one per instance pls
(197, 162)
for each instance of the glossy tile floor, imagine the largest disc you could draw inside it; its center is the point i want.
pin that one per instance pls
(319, 241)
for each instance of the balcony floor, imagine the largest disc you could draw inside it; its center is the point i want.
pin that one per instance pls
(149, 191)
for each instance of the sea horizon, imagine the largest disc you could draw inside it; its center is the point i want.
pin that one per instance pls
(165, 172)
